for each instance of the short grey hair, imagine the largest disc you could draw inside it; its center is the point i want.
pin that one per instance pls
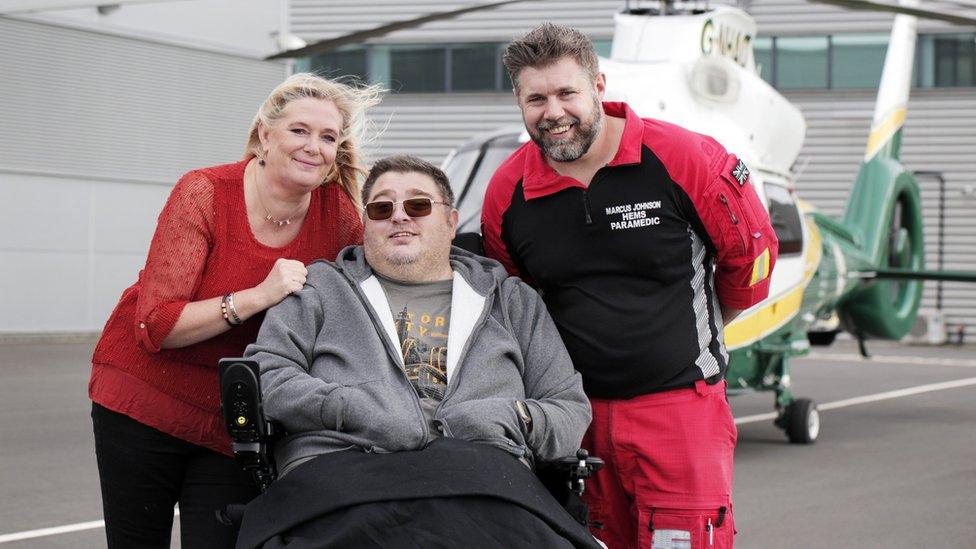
(546, 45)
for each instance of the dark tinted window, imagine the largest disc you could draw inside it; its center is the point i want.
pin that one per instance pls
(801, 62)
(762, 51)
(955, 60)
(418, 69)
(340, 63)
(473, 67)
(857, 60)
(785, 219)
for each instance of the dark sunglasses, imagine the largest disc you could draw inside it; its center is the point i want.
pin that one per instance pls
(414, 207)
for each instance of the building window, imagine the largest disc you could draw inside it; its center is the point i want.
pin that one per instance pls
(423, 68)
(947, 60)
(801, 62)
(343, 63)
(842, 61)
(856, 60)
(603, 47)
(762, 53)
(418, 69)
(473, 67)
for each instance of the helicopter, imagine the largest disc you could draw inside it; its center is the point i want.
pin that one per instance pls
(862, 273)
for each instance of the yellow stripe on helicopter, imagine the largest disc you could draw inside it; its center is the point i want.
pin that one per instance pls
(884, 131)
(776, 311)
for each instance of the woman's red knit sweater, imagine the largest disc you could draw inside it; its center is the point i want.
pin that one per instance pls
(203, 247)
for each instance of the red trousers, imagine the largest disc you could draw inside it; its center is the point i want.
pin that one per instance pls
(667, 481)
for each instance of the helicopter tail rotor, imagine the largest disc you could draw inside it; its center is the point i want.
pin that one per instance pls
(885, 212)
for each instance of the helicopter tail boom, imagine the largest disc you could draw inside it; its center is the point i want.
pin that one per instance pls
(884, 212)
(896, 79)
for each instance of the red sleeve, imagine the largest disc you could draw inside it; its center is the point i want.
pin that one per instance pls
(498, 198)
(347, 216)
(739, 227)
(177, 256)
(354, 230)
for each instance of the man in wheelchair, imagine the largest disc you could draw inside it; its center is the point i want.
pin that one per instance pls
(417, 386)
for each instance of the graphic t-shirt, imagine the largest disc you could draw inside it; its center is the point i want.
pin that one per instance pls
(422, 315)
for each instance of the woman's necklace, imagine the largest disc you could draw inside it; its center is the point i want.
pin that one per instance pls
(267, 214)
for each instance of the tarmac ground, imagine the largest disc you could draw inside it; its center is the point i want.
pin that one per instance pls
(895, 465)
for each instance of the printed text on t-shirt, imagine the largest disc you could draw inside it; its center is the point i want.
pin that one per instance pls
(632, 216)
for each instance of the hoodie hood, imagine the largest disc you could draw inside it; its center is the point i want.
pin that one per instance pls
(481, 273)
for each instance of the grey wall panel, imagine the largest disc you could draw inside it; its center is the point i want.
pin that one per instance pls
(86, 242)
(798, 17)
(94, 129)
(44, 292)
(431, 125)
(92, 104)
(315, 20)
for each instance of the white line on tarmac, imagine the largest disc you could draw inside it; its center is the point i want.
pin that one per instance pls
(55, 530)
(893, 359)
(870, 398)
(30, 534)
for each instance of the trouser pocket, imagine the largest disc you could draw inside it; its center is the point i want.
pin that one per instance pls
(688, 528)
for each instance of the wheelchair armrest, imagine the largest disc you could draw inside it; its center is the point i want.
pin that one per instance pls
(565, 478)
(576, 469)
(252, 434)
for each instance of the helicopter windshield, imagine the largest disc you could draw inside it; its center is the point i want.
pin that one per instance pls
(469, 171)
(785, 219)
(458, 169)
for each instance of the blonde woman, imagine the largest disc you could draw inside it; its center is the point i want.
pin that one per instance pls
(231, 241)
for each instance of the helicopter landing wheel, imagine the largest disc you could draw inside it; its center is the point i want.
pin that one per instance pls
(822, 338)
(802, 421)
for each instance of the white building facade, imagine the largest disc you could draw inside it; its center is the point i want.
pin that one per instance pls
(97, 122)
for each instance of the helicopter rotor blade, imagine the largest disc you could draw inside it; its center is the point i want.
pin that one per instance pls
(912, 274)
(882, 5)
(960, 3)
(14, 7)
(329, 44)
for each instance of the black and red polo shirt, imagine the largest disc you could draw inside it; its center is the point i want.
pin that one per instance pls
(634, 267)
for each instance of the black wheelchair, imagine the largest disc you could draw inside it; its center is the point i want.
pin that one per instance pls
(289, 512)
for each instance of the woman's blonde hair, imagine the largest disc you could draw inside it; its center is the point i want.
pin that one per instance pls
(352, 102)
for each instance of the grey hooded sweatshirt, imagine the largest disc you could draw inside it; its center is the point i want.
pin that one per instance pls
(332, 373)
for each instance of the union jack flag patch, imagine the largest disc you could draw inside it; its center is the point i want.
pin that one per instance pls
(741, 173)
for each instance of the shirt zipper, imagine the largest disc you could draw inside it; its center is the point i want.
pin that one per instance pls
(735, 220)
(464, 351)
(396, 356)
(587, 218)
